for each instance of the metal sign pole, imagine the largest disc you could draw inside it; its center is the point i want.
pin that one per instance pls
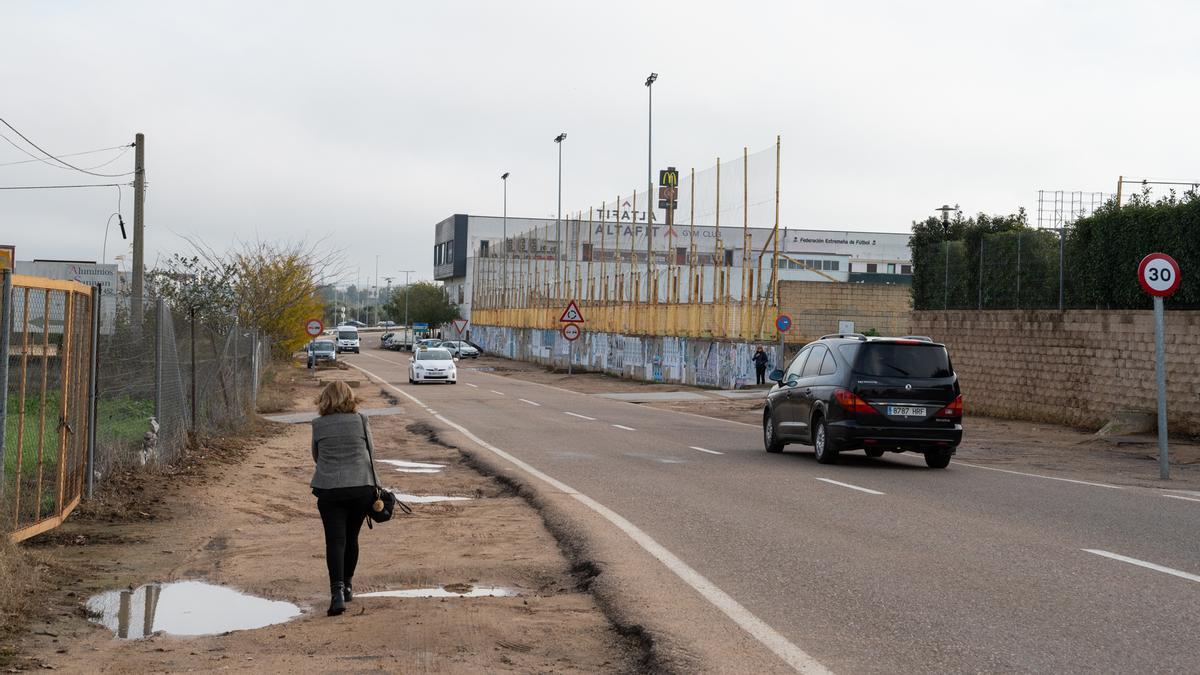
(1160, 377)
(5, 332)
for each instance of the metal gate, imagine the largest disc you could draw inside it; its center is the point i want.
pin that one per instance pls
(48, 337)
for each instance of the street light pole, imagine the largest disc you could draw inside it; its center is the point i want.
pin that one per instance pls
(504, 251)
(558, 219)
(649, 181)
(406, 292)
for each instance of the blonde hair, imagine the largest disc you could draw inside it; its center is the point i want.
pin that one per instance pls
(336, 397)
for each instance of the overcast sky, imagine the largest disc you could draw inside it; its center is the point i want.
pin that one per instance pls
(367, 123)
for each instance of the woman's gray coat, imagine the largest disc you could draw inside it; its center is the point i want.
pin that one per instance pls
(340, 445)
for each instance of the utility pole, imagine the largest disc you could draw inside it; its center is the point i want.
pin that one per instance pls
(139, 203)
(558, 219)
(406, 290)
(649, 184)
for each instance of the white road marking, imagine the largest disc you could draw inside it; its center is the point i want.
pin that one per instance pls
(471, 385)
(852, 487)
(622, 426)
(1035, 475)
(770, 638)
(711, 452)
(1188, 499)
(1143, 563)
(496, 392)
(582, 417)
(525, 400)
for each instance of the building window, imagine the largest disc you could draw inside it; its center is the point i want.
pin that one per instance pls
(906, 269)
(872, 268)
(835, 265)
(891, 268)
(483, 248)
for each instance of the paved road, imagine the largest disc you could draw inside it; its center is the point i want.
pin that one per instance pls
(870, 565)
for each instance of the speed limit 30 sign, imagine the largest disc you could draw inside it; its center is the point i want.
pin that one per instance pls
(1158, 274)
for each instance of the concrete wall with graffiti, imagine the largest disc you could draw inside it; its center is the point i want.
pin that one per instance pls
(695, 361)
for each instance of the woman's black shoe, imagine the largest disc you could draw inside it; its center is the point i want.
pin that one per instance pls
(337, 602)
(347, 592)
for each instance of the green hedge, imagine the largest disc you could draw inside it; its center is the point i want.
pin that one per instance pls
(1001, 263)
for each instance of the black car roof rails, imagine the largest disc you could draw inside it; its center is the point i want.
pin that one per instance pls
(849, 336)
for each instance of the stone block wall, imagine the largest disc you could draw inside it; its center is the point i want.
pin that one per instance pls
(1076, 367)
(817, 307)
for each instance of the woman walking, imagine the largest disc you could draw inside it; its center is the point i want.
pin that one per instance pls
(344, 484)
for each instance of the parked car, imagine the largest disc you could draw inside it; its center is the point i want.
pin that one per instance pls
(432, 365)
(347, 338)
(386, 324)
(385, 339)
(461, 349)
(847, 392)
(428, 343)
(320, 350)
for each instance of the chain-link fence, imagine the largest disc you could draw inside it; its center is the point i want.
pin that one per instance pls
(90, 386)
(167, 379)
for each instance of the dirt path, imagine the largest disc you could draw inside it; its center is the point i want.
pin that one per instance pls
(1010, 444)
(243, 517)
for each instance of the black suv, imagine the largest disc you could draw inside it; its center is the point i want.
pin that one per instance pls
(850, 391)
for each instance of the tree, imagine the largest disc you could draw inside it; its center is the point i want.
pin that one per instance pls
(195, 285)
(427, 303)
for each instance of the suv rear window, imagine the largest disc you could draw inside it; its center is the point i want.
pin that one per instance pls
(883, 359)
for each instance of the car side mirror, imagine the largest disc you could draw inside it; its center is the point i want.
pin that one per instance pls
(791, 382)
(776, 375)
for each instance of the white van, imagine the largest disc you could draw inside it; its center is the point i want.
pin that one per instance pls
(347, 339)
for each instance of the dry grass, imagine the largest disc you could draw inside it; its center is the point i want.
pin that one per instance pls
(277, 390)
(22, 576)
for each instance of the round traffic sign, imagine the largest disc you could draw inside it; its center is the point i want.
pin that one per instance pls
(783, 322)
(571, 332)
(313, 327)
(1158, 274)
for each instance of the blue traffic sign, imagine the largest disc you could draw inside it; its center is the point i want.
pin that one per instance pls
(783, 322)
(420, 326)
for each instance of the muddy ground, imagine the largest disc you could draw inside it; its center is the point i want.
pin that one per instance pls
(1009, 444)
(239, 513)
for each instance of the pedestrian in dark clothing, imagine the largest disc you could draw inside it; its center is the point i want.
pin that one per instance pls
(343, 483)
(760, 366)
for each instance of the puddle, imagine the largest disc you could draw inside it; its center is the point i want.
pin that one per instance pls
(426, 499)
(459, 591)
(185, 608)
(413, 467)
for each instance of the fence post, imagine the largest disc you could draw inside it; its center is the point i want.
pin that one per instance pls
(5, 334)
(93, 392)
(159, 307)
(254, 357)
(1062, 234)
(981, 271)
(192, 329)
(237, 393)
(1018, 269)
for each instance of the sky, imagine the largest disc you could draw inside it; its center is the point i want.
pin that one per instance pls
(358, 126)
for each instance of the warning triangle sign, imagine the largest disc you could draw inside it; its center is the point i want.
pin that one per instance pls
(460, 325)
(571, 314)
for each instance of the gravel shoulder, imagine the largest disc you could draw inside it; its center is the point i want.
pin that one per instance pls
(240, 514)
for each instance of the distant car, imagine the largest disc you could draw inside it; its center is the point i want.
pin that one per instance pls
(432, 365)
(428, 343)
(461, 349)
(845, 392)
(386, 324)
(385, 339)
(347, 338)
(356, 324)
(320, 350)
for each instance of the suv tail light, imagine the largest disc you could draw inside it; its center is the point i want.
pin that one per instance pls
(954, 409)
(852, 402)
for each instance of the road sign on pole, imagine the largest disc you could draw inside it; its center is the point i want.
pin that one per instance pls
(313, 327)
(1159, 275)
(783, 322)
(571, 332)
(460, 327)
(571, 314)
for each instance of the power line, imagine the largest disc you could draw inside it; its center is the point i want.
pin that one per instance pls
(59, 187)
(64, 163)
(123, 148)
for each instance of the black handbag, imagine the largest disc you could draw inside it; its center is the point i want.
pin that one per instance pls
(384, 505)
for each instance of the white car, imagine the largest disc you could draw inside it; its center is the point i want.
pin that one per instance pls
(347, 338)
(432, 365)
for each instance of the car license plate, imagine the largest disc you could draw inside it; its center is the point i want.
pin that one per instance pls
(899, 411)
